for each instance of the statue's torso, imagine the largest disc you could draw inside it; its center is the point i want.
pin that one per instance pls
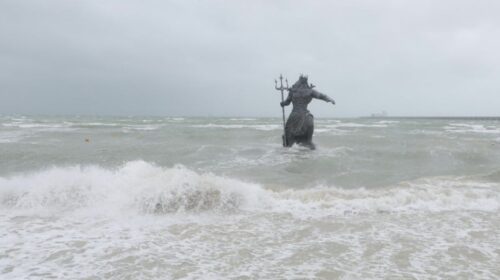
(300, 99)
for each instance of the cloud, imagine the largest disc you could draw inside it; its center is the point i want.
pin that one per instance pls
(221, 57)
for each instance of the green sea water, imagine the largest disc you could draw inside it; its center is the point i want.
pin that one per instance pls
(189, 198)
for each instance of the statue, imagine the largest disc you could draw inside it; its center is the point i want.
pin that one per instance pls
(299, 127)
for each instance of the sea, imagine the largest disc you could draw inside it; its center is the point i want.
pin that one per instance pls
(139, 197)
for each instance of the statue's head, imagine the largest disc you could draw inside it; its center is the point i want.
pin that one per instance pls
(301, 82)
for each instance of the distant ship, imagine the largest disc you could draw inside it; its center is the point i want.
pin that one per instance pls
(383, 114)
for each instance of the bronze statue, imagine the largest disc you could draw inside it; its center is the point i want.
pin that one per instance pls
(299, 127)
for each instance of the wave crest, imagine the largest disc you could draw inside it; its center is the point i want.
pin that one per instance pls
(142, 187)
(139, 185)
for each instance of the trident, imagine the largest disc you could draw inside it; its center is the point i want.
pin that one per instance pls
(282, 88)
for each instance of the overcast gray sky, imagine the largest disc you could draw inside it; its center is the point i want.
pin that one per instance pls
(220, 58)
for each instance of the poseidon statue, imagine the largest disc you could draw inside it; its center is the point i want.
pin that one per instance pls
(299, 127)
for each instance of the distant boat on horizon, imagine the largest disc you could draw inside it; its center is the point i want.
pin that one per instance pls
(379, 115)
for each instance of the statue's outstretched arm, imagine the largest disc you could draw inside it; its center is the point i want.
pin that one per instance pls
(319, 95)
(287, 101)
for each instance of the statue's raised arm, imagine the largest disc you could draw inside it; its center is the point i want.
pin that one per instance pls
(318, 95)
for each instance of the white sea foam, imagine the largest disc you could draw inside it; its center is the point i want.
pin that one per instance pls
(328, 128)
(265, 127)
(345, 127)
(172, 119)
(388, 122)
(471, 128)
(35, 125)
(142, 127)
(92, 124)
(322, 130)
(426, 195)
(145, 221)
(358, 125)
(145, 188)
(13, 136)
(242, 119)
(40, 127)
(135, 186)
(21, 119)
(425, 132)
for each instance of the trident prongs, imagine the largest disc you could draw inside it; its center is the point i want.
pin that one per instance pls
(281, 87)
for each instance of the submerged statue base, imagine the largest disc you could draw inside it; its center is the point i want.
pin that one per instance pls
(299, 127)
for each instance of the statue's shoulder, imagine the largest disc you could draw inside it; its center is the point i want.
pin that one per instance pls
(309, 91)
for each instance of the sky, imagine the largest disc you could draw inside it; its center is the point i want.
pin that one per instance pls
(220, 58)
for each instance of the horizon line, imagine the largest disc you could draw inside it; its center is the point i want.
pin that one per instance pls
(248, 116)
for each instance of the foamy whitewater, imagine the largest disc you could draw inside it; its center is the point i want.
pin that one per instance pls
(219, 198)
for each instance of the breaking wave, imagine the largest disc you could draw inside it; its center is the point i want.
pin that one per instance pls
(471, 128)
(137, 184)
(145, 188)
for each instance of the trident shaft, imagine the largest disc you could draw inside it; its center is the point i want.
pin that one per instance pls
(282, 89)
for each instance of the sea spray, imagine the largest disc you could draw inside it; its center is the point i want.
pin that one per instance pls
(147, 188)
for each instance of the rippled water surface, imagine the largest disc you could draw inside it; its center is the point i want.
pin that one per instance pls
(217, 198)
